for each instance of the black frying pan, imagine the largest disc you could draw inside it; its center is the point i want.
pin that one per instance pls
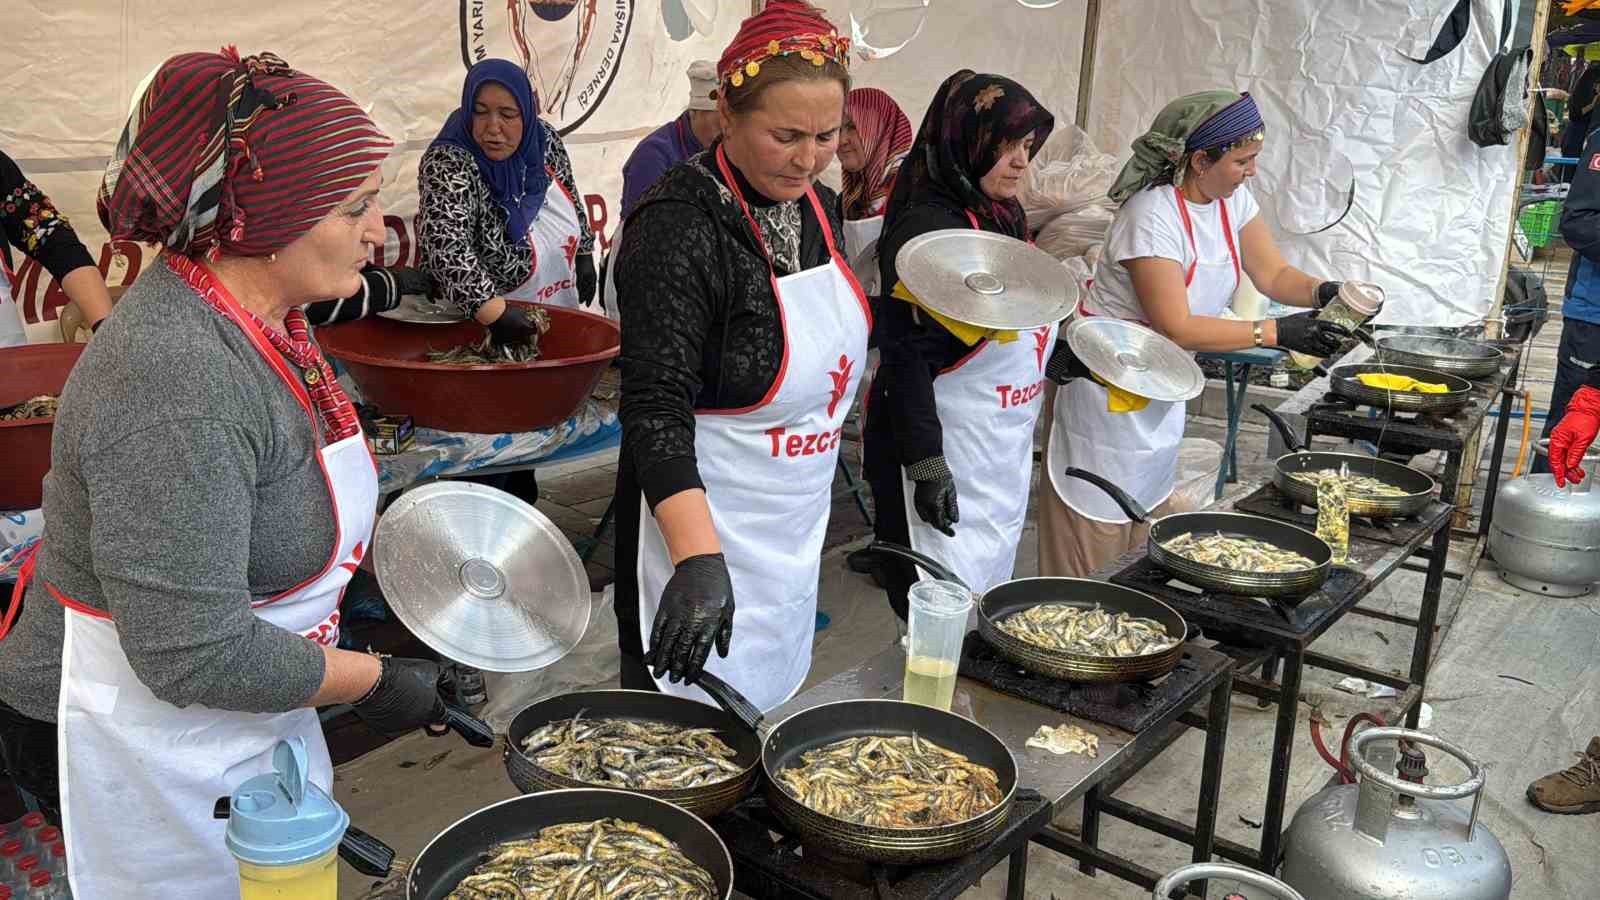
(1345, 381)
(706, 801)
(1283, 586)
(1418, 486)
(462, 847)
(782, 745)
(1012, 597)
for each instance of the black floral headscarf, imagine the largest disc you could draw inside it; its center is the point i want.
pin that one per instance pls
(970, 121)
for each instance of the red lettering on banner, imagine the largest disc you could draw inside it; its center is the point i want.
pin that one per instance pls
(598, 219)
(795, 446)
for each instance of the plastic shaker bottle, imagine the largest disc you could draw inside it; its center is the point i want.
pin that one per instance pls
(1355, 305)
(285, 831)
(937, 623)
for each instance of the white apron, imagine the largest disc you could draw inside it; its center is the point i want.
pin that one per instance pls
(988, 404)
(861, 248)
(139, 776)
(768, 473)
(553, 243)
(13, 331)
(1137, 451)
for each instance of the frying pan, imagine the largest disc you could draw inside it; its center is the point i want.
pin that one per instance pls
(1453, 356)
(459, 849)
(1005, 600)
(1417, 485)
(1343, 380)
(783, 744)
(1285, 587)
(706, 801)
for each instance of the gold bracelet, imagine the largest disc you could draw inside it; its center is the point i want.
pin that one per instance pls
(1255, 332)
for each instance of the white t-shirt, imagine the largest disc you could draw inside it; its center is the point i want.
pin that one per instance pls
(1149, 225)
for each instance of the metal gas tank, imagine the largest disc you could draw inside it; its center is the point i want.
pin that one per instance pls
(1546, 539)
(1390, 839)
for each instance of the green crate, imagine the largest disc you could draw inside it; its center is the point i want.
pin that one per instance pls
(1539, 222)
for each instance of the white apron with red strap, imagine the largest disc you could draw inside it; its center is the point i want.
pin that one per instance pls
(861, 248)
(768, 474)
(988, 404)
(13, 330)
(139, 776)
(553, 242)
(1138, 451)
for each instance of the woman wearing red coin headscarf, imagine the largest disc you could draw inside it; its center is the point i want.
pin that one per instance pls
(210, 492)
(874, 141)
(744, 343)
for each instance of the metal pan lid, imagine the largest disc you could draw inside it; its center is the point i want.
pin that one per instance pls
(1135, 358)
(986, 279)
(481, 577)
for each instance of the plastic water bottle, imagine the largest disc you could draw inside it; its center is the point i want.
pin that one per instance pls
(10, 852)
(40, 841)
(56, 861)
(42, 887)
(24, 869)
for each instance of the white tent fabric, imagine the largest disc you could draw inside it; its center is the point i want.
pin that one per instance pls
(1431, 211)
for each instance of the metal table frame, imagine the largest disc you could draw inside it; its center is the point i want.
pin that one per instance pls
(1235, 386)
(1066, 778)
(1287, 643)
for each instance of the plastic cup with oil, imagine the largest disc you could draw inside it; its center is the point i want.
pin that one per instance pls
(938, 623)
(284, 831)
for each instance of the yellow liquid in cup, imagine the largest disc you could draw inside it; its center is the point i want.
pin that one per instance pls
(316, 879)
(930, 681)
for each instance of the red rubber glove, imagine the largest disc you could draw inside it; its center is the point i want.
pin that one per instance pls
(1573, 435)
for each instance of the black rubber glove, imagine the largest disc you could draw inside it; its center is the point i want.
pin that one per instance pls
(1326, 291)
(405, 698)
(1064, 365)
(1304, 334)
(696, 612)
(514, 326)
(935, 502)
(587, 279)
(413, 281)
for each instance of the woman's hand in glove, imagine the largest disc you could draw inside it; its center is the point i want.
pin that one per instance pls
(934, 495)
(514, 326)
(1064, 365)
(1571, 437)
(1325, 293)
(405, 697)
(1304, 334)
(696, 612)
(413, 281)
(588, 281)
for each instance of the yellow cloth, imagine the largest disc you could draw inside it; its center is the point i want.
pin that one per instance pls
(1119, 400)
(967, 334)
(1400, 383)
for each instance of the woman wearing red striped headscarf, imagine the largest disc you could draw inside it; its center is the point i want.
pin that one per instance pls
(211, 492)
(875, 140)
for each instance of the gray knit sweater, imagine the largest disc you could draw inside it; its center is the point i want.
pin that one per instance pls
(183, 483)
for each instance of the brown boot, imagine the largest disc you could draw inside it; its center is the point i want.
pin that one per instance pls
(1571, 791)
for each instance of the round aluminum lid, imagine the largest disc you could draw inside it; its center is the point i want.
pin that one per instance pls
(481, 577)
(985, 279)
(1135, 358)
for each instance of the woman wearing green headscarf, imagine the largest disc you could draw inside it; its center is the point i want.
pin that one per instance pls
(1186, 234)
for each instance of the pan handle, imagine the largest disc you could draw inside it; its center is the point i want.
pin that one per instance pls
(365, 853)
(472, 730)
(734, 702)
(1290, 439)
(1128, 504)
(935, 568)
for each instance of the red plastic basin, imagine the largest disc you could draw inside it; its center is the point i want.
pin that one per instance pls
(388, 361)
(27, 372)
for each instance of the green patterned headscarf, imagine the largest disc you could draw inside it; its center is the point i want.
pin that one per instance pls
(1160, 151)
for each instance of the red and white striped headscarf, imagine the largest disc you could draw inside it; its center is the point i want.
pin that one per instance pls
(224, 155)
(885, 136)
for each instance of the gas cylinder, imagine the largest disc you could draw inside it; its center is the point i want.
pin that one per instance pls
(1392, 837)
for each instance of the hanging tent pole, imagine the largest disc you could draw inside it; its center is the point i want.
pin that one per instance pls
(1091, 34)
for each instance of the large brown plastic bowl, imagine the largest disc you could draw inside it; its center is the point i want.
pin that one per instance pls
(27, 372)
(387, 359)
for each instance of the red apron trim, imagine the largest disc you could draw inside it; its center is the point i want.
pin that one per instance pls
(1188, 228)
(24, 575)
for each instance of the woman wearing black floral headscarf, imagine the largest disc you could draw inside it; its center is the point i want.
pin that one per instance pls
(953, 407)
